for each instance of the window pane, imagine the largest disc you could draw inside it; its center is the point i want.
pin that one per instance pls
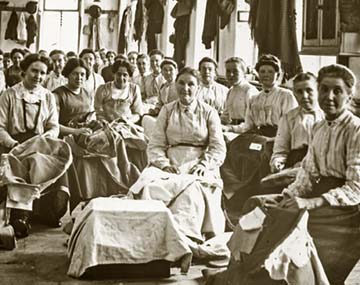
(311, 20)
(61, 5)
(329, 19)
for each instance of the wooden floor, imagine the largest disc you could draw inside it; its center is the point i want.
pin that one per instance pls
(41, 259)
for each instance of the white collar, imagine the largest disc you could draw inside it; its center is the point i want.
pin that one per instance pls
(30, 96)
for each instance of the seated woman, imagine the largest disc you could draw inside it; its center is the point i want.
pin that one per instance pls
(293, 135)
(13, 73)
(327, 185)
(26, 110)
(167, 94)
(185, 153)
(238, 98)
(109, 153)
(248, 155)
(119, 99)
(72, 99)
(209, 90)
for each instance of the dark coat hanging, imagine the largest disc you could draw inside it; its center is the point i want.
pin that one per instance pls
(11, 29)
(156, 17)
(31, 27)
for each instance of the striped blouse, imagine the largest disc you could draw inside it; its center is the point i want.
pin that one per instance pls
(294, 131)
(334, 151)
(214, 95)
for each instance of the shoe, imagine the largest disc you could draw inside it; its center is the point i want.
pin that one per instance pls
(21, 227)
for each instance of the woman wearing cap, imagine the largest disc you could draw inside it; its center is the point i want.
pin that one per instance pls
(185, 152)
(55, 78)
(328, 186)
(26, 110)
(210, 91)
(248, 155)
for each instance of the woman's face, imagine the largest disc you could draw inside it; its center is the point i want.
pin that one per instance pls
(132, 58)
(186, 86)
(306, 94)
(77, 77)
(58, 61)
(155, 61)
(121, 77)
(169, 72)
(111, 58)
(17, 58)
(7, 62)
(143, 65)
(267, 76)
(207, 72)
(35, 74)
(234, 73)
(333, 96)
(89, 60)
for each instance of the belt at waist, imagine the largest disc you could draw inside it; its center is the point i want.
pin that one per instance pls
(324, 184)
(267, 131)
(236, 121)
(187, 144)
(295, 156)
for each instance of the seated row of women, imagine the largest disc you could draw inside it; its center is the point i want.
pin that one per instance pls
(187, 146)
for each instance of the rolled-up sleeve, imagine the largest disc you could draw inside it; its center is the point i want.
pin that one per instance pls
(349, 193)
(215, 154)
(137, 105)
(158, 142)
(282, 144)
(5, 138)
(51, 126)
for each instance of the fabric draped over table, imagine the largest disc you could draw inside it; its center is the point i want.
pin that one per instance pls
(116, 231)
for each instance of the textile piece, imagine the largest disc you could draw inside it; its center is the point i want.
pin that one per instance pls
(273, 26)
(115, 231)
(32, 30)
(21, 29)
(285, 248)
(155, 12)
(193, 200)
(20, 168)
(11, 28)
(112, 162)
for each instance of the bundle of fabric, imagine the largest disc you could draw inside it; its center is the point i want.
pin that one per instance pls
(121, 231)
(241, 181)
(271, 251)
(31, 167)
(109, 160)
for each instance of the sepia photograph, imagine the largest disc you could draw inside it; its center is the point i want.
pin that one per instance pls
(180, 142)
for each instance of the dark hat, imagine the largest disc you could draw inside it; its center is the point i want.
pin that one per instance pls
(95, 11)
(31, 7)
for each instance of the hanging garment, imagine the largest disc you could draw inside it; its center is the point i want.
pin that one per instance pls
(181, 12)
(94, 37)
(273, 27)
(226, 7)
(125, 28)
(31, 27)
(210, 23)
(139, 20)
(156, 17)
(21, 29)
(11, 29)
